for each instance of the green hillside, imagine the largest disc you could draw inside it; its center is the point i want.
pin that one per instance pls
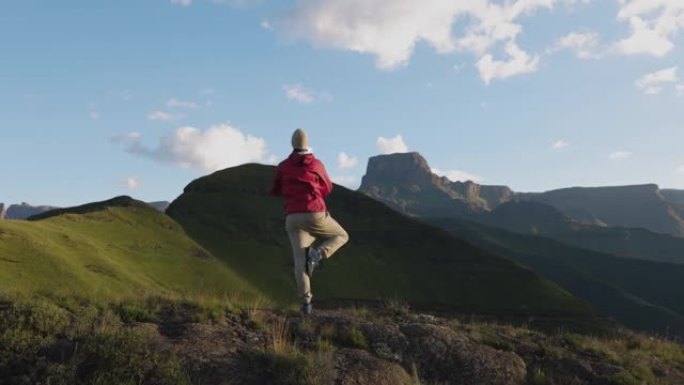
(389, 255)
(640, 294)
(109, 250)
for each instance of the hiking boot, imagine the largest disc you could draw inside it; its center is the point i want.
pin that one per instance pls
(313, 259)
(307, 309)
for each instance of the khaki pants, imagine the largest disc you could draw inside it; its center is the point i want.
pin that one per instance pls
(305, 228)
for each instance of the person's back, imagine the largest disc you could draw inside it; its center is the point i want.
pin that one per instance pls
(304, 183)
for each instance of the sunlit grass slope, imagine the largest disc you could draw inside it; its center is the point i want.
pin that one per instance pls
(114, 249)
(389, 255)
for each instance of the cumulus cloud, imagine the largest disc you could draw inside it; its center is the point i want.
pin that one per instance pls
(207, 150)
(458, 175)
(345, 161)
(583, 44)
(390, 30)
(164, 116)
(559, 145)
(391, 145)
(653, 26)
(620, 155)
(184, 3)
(519, 62)
(176, 103)
(653, 83)
(130, 183)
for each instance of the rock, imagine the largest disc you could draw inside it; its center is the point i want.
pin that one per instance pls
(442, 356)
(358, 367)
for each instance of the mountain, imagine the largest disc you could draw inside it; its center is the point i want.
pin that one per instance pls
(25, 210)
(112, 249)
(643, 295)
(160, 205)
(405, 182)
(628, 206)
(640, 294)
(389, 255)
(675, 198)
(534, 218)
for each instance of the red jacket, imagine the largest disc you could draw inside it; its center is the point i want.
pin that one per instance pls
(303, 181)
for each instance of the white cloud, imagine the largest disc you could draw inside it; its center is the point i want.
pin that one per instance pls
(298, 93)
(94, 115)
(559, 145)
(390, 30)
(458, 175)
(345, 161)
(584, 44)
(207, 150)
(391, 145)
(653, 83)
(130, 183)
(620, 155)
(679, 170)
(519, 62)
(265, 24)
(176, 103)
(653, 26)
(184, 3)
(164, 116)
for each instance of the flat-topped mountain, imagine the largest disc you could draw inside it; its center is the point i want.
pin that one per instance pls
(405, 182)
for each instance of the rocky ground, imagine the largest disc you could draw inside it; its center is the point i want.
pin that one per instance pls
(162, 342)
(370, 347)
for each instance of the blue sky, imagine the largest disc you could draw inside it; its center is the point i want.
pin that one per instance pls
(101, 98)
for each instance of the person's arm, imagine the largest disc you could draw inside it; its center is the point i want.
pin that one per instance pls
(277, 186)
(326, 184)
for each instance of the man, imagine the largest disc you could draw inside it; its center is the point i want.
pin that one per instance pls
(303, 181)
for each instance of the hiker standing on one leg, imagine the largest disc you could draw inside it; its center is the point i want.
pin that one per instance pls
(303, 181)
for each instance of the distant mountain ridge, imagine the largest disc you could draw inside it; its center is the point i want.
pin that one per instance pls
(628, 206)
(25, 211)
(405, 182)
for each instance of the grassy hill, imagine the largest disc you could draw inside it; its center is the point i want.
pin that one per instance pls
(109, 250)
(640, 294)
(389, 255)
